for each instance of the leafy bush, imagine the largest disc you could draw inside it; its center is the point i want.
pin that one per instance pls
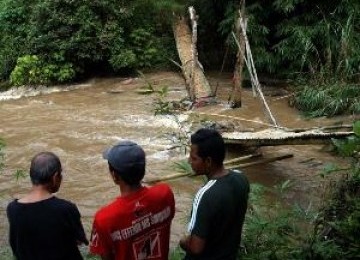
(144, 45)
(27, 70)
(123, 59)
(30, 70)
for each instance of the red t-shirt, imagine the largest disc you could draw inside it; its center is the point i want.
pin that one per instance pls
(136, 226)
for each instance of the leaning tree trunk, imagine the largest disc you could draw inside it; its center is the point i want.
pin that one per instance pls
(235, 97)
(196, 83)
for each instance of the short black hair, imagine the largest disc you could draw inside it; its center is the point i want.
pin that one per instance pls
(132, 175)
(210, 144)
(43, 167)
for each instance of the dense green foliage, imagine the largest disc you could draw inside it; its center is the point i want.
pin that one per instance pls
(316, 42)
(290, 37)
(319, 38)
(57, 41)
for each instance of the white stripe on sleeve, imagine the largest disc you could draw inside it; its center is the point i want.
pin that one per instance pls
(196, 203)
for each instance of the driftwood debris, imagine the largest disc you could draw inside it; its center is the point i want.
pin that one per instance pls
(227, 166)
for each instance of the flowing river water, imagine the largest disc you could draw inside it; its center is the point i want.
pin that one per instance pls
(78, 122)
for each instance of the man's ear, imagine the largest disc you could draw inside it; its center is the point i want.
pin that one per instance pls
(208, 162)
(57, 177)
(114, 176)
(56, 182)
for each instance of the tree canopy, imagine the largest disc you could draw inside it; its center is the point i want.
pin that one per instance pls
(62, 40)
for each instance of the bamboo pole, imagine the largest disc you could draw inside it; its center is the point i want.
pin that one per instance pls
(251, 67)
(322, 128)
(194, 57)
(267, 160)
(168, 177)
(242, 158)
(244, 165)
(240, 119)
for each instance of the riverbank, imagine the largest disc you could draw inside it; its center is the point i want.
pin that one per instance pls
(80, 122)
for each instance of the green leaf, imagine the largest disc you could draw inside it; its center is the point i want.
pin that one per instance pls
(183, 166)
(20, 174)
(356, 128)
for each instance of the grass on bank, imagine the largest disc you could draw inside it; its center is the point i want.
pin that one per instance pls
(329, 100)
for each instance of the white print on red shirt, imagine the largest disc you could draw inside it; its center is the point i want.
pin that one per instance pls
(141, 224)
(94, 239)
(148, 247)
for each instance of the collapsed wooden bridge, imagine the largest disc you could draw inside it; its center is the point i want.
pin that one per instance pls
(268, 137)
(200, 91)
(273, 137)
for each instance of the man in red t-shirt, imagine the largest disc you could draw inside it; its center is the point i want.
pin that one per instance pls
(136, 225)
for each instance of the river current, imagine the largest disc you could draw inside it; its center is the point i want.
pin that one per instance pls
(78, 122)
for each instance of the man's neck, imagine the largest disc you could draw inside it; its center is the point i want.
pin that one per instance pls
(127, 189)
(37, 193)
(217, 173)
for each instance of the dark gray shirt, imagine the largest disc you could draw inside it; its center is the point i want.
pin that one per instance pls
(218, 214)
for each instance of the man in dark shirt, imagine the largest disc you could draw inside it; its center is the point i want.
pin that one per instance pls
(219, 207)
(42, 226)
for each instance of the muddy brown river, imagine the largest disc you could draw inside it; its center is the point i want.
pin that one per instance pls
(78, 122)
